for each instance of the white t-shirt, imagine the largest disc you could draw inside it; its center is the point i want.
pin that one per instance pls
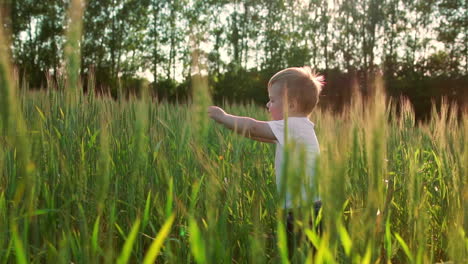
(303, 149)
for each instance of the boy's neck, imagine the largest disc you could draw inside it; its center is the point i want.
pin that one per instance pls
(292, 114)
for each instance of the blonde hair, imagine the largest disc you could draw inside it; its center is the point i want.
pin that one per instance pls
(303, 86)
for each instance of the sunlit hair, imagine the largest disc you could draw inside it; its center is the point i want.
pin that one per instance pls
(303, 86)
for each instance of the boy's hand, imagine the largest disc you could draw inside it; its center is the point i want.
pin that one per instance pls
(216, 113)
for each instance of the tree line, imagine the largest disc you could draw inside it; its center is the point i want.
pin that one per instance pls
(420, 47)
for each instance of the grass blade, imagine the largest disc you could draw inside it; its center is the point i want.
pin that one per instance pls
(155, 247)
(282, 243)
(19, 248)
(197, 245)
(405, 247)
(95, 235)
(345, 239)
(127, 248)
(146, 212)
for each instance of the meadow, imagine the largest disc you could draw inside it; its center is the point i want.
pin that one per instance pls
(90, 179)
(97, 180)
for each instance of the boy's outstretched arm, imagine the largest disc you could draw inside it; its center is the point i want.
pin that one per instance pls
(246, 126)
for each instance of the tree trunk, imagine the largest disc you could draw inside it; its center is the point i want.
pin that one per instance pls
(112, 46)
(155, 42)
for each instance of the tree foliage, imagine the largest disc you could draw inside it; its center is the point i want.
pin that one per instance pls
(245, 42)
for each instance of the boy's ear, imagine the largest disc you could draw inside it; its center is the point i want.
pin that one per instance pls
(293, 105)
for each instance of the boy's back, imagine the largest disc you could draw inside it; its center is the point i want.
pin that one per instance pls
(302, 141)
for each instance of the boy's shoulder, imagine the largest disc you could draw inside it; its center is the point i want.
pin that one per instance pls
(299, 128)
(299, 122)
(292, 122)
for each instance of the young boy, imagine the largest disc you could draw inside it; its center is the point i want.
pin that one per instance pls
(293, 94)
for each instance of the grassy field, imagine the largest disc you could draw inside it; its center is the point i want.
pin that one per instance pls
(110, 181)
(89, 179)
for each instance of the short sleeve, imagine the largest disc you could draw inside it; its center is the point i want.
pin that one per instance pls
(278, 130)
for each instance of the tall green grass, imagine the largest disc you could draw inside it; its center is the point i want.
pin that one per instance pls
(88, 179)
(106, 176)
